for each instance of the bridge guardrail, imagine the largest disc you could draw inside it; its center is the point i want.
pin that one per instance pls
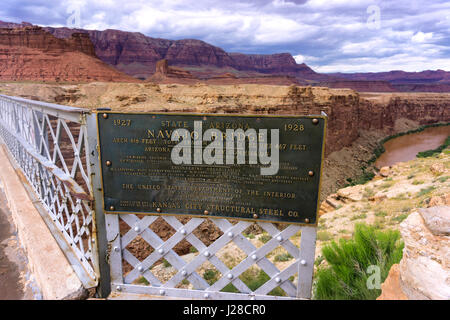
(50, 144)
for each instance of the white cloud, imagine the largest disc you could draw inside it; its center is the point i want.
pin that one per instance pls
(329, 35)
(422, 37)
(299, 58)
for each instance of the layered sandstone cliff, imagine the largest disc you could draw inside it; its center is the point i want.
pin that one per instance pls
(361, 86)
(356, 122)
(32, 54)
(137, 55)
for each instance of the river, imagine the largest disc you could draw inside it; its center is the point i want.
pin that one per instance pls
(405, 148)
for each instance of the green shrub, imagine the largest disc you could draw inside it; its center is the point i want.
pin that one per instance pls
(210, 275)
(362, 179)
(283, 257)
(346, 275)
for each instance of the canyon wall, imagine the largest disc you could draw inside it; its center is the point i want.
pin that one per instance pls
(32, 54)
(356, 122)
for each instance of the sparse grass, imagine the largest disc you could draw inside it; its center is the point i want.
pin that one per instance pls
(406, 209)
(381, 214)
(324, 236)
(416, 182)
(387, 185)
(264, 238)
(425, 191)
(166, 264)
(347, 273)
(368, 192)
(443, 179)
(401, 196)
(358, 216)
(192, 249)
(365, 177)
(143, 281)
(410, 176)
(254, 279)
(249, 235)
(379, 223)
(400, 218)
(210, 275)
(283, 257)
(185, 282)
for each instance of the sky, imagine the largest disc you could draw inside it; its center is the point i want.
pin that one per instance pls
(327, 35)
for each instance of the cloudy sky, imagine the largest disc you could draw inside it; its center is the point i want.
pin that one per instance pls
(328, 35)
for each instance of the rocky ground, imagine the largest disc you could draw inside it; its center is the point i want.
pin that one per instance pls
(388, 199)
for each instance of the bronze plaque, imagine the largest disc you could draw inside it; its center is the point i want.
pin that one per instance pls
(262, 168)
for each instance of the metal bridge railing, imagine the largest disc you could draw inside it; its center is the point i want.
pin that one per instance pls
(57, 149)
(50, 144)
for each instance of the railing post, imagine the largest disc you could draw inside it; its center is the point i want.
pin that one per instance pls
(99, 234)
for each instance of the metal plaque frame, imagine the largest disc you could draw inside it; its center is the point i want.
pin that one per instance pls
(321, 121)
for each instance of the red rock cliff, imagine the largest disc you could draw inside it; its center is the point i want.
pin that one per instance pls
(31, 53)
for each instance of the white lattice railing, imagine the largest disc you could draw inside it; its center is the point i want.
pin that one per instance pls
(49, 143)
(294, 278)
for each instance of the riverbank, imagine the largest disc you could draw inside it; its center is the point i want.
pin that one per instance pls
(386, 201)
(369, 168)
